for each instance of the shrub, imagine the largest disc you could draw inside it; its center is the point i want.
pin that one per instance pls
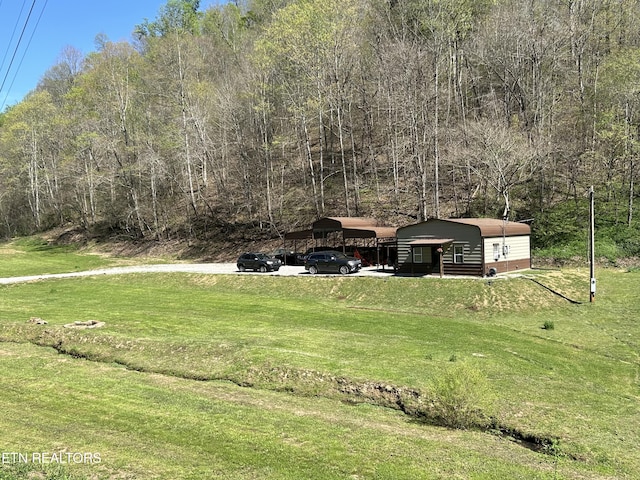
(461, 398)
(548, 325)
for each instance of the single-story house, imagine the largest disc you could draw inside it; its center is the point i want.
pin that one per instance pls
(464, 246)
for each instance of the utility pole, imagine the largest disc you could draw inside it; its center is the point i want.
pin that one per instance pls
(592, 274)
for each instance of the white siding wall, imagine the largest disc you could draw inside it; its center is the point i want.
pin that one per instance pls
(519, 248)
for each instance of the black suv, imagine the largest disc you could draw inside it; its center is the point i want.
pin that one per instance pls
(331, 262)
(258, 261)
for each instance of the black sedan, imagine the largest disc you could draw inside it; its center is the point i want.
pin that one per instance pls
(259, 262)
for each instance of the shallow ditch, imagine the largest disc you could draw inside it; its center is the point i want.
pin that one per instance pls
(413, 403)
(409, 401)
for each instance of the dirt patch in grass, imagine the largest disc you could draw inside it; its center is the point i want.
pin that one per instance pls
(82, 325)
(5, 250)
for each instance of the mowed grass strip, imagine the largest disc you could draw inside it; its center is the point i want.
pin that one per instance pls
(577, 383)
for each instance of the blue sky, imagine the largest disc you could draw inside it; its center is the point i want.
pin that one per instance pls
(56, 24)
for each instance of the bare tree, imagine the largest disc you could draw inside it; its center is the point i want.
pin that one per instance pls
(501, 158)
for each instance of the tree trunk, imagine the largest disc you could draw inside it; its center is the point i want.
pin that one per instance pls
(631, 189)
(436, 144)
(185, 133)
(34, 187)
(312, 173)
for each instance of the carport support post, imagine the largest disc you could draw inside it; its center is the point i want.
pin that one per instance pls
(284, 251)
(441, 255)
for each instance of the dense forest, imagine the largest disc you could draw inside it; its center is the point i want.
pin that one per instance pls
(268, 114)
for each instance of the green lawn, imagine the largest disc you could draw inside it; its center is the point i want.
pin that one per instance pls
(243, 376)
(34, 256)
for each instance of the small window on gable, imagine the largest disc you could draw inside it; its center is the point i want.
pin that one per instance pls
(458, 254)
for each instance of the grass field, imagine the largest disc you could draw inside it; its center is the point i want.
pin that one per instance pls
(260, 377)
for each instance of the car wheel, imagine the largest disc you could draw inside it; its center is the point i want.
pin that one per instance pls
(313, 269)
(344, 269)
(241, 267)
(262, 269)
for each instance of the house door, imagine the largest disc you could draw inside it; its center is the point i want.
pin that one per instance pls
(435, 261)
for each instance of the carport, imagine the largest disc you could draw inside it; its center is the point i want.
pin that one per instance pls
(297, 236)
(338, 230)
(375, 236)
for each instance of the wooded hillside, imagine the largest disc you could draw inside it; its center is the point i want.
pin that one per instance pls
(271, 113)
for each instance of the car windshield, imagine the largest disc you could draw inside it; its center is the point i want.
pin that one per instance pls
(338, 255)
(262, 256)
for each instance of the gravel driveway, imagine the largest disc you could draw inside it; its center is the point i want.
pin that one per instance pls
(205, 268)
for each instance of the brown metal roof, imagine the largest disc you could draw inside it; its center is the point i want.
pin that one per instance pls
(351, 227)
(431, 241)
(335, 224)
(299, 235)
(370, 232)
(493, 227)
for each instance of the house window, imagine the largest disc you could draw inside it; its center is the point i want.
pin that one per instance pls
(422, 255)
(496, 251)
(458, 254)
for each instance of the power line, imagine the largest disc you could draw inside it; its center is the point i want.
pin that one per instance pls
(15, 27)
(23, 54)
(15, 51)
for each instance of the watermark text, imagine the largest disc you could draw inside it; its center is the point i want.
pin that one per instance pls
(50, 457)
